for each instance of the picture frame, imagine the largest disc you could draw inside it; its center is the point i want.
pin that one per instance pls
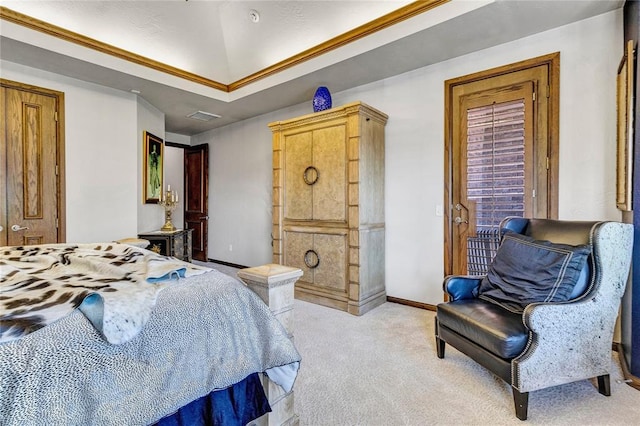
(153, 166)
(625, 115)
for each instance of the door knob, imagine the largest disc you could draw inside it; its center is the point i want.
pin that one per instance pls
(1, 228)
(19, 228)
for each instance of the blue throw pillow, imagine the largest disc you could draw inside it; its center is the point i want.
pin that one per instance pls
(526, 271)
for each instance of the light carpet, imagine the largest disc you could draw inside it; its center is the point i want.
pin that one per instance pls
(381, 369)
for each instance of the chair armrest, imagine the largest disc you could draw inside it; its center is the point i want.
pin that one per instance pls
(539, 317)
(569, 341)
(460, 287)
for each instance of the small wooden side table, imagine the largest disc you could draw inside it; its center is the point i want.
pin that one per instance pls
(170, 243)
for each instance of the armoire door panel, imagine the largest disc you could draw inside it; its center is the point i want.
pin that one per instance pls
(330, 157)
(330, 253)
(332, 267)
(296, 245)
(298, 156)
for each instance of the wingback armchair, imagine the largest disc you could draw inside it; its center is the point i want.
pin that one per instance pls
(535, 335)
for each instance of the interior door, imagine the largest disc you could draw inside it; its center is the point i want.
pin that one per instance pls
(30, 173)
(196, 206)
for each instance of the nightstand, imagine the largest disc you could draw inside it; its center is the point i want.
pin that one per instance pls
(172, 243)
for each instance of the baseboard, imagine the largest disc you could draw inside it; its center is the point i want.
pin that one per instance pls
(222, 262)
(629, 378)
(419, 305)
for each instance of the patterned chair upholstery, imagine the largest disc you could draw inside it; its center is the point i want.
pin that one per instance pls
(546, 343)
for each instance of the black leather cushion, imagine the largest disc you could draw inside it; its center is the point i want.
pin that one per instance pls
(486, 324)
(526, 271)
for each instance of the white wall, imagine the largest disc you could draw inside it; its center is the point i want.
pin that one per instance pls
(239, 192)
(240, 175)
(149, 118)
(101, 155)
(177, 138)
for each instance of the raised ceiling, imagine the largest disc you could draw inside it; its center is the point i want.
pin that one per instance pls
(211, 56)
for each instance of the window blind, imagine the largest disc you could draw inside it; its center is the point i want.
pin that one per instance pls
(496, 162)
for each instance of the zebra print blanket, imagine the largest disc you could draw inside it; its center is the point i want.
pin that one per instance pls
(114, 285)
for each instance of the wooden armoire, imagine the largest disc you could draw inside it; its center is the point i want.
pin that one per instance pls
(328, 205)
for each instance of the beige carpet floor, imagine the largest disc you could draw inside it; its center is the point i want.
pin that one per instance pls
(381, 369)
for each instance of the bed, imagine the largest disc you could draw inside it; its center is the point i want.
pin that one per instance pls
(113, 334)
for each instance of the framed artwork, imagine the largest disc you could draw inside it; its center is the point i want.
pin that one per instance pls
(625, 114)
(152, 168)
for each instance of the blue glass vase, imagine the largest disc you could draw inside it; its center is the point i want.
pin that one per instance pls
(322, 99)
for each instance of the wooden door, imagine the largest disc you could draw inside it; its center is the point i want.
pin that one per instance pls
(31, 166)
(493, 171)
(501, 156)
(196, 205)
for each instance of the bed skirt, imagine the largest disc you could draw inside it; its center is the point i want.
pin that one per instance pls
(236, 405)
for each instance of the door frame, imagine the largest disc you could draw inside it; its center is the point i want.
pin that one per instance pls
(552, 61)
(60, 153)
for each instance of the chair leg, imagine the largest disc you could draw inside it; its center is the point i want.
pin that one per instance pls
(521, 400)
(604, 385)
(439, 343)
(440, 347)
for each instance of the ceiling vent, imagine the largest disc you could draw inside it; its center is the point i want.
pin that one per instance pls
(203, 116)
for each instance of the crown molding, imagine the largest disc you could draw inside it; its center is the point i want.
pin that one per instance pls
(73, 37)
(385, 21)
(392, 18)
